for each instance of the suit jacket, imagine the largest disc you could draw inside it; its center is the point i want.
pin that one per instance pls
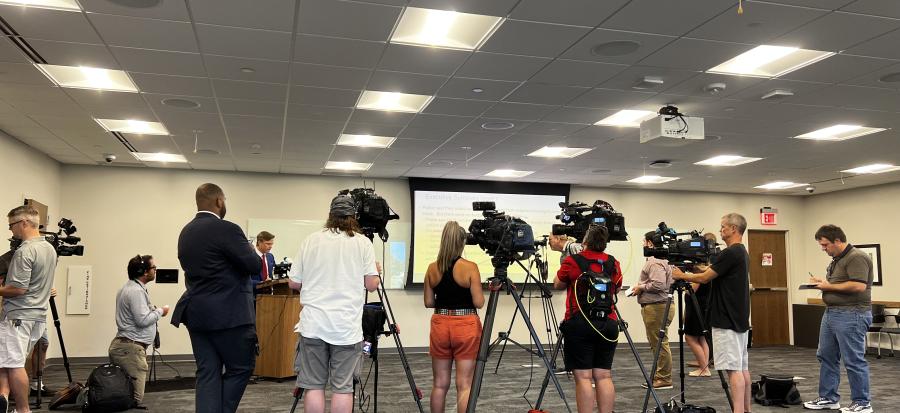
(217, 261)
(257, 278)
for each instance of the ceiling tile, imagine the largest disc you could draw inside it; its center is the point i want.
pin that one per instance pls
(692, 54)
(873, 79)
(23, 73)
(34, 23)
(576, 73)
(577, 12)
(327, 113)
(250, 90)
(377, 129)
(696, 85)
(347, 19)
(249, 43)
(838, 68)
(337, 52)
(235, 68)
(145, 33)
(158, 61)
(112, 105)
(800, 89)
(457, 107)
(462, 88)
(760, 23)
(874, 7)
(251, 108)
(314, 131)
(578, 115)
(501, 67)
(207, 105)
(630, 77)
(838, 31)
(329, 76)
(519, 111)
(438, 123)
(380, 117)
(164, 10)
(534, 92)
(325, 97)
(74, 54)
(883, 46)
(672, 18)
(552, 128)
(610, 99)
(275, 15)
(645, 44)
(821, 4)
(253, 129)
(9, 52)
(405, 82)
(489, 8)
(855, 97)
(174, 85)
(533, 39)
(426, 60)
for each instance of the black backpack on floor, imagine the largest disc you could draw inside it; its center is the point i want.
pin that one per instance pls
(110, 389)
(776, 391)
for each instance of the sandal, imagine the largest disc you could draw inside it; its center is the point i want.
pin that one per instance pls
(700, 373)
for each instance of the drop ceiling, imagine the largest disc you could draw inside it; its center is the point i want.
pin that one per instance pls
(271, 89)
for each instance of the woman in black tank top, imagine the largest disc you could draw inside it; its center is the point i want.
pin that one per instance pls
(453, 288)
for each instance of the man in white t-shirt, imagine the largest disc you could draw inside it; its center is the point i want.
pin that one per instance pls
(333, 269)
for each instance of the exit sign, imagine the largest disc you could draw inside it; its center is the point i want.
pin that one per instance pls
(768, 216)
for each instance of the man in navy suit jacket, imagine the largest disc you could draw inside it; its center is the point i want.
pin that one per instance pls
(218, 307)
(264, 242)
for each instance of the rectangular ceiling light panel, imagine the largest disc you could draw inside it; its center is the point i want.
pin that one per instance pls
(392, 101)
(839, 133)
(770, 61)
(79, 77)
(627, 118)
(137, 127)
(559, 152)
(365, 141)
(443, 28)
(727, 160)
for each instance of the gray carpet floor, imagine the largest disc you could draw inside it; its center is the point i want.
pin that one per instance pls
(503, 392)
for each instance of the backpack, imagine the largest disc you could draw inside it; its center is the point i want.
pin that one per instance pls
(776, 391)
(110, 389)
(595, 291)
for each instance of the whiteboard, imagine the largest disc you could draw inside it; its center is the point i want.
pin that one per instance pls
(290, 233)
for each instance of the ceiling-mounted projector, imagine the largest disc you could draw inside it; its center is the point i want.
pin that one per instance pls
(672, 124)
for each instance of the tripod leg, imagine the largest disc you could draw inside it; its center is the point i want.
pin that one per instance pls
(508, 332)
(417, 396)
(662, 334)
(637, 357)
(298, 394)
(483, 349)
(540, 399)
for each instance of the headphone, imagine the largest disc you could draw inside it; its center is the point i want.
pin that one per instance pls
(142, 267)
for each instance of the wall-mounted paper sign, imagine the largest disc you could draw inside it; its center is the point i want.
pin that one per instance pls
(767, 259)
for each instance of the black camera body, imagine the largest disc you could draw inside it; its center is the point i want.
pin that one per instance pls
(682, 249)
(372, 212)
(500, 235)
(281, 269)
(577, 217)
(63, 240)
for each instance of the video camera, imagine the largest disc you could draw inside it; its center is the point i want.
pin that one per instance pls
(281, 269)
(501, 236)
(577, 217)
(681, 249)
(65, 244)
(372, 212)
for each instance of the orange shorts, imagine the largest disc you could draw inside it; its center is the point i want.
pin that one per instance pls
(455, 337)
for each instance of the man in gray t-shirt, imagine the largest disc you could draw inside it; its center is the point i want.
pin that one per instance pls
(847, 292)
(26, 294)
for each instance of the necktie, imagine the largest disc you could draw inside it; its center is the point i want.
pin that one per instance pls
(265, 268)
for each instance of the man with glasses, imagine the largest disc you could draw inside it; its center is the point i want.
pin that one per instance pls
(26, 296)
(136, 321)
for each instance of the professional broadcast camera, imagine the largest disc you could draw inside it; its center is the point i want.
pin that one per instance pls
(682, 249)
(501, 236)
(65, 245)
(578, 216)
(282, 268)
(372, 212)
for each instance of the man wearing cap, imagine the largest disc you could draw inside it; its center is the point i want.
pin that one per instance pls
(334, 267)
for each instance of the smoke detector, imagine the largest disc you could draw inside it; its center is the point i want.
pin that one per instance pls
(715, 88)
(777, 94)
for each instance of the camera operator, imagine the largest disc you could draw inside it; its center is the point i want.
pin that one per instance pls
(453, 288)
(334, 267)
(589, 344)
(729, 310)
(26, 294)
(693, 329)
(136, 321)
(652, 291)
(564, 245)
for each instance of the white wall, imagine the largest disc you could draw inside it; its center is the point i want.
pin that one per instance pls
(27, 173)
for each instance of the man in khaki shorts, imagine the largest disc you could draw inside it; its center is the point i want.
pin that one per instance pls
(26, 296)
(136, 321)
(729, 308)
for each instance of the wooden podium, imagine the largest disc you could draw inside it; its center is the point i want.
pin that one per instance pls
(277, 312)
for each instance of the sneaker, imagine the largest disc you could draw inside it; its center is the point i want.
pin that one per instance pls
(858, 407)
(821, 403)
(659, 385)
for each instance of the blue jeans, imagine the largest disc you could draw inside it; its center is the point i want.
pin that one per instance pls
(842, 336)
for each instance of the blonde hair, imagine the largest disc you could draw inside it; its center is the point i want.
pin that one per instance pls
(25, 213)
(453, 240)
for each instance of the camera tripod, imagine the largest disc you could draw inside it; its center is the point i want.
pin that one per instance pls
(496, 283)
(681, 287)
(550, 321)
(623, 327)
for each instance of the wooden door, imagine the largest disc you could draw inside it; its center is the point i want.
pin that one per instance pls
(769, 296)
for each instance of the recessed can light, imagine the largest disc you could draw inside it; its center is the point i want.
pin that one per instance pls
(497, 125)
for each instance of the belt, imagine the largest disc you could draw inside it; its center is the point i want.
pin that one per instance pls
(455, 311)
(128, 340)
(656, 303)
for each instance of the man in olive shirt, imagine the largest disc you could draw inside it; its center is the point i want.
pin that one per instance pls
(847, 293)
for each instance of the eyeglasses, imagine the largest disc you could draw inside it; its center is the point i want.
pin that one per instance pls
(14, 223)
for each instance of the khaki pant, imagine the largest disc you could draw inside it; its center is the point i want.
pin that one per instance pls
(133, 359)
(653, 320)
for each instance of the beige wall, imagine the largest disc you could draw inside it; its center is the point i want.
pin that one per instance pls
(27, 173)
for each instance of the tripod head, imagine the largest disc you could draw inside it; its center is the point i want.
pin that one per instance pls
(681, 285)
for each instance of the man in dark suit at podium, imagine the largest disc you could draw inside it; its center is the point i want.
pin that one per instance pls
(218, 307)
(264, 242)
